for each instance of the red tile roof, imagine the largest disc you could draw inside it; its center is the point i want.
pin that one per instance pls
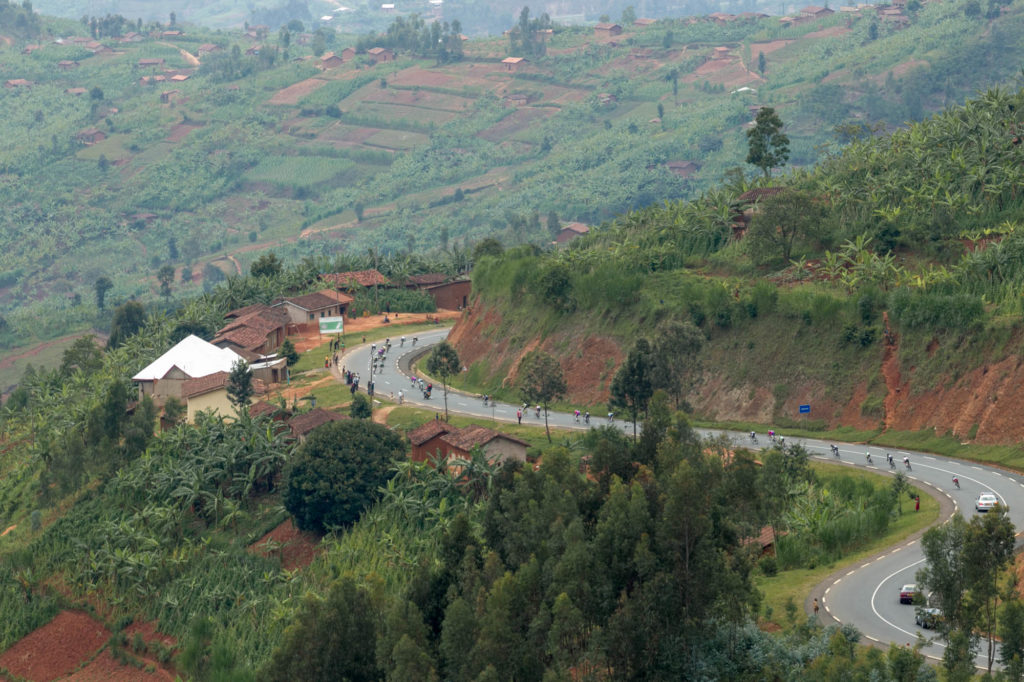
(468, 438)
(422, 434)
(211, 382)
(761, 193)
(262, 407)
(366, 278)
(301, 424)
(314, 301)
(428, 279)
(242, 336)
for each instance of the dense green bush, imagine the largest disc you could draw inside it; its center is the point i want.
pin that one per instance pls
(339, 471)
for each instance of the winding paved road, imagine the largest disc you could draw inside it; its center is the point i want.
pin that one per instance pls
(866, 594)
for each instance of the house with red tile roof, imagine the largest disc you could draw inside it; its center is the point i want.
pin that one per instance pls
(310, 307)
(349, 281)
(303, 424)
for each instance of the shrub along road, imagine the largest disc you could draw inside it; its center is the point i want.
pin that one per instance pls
(866, 595)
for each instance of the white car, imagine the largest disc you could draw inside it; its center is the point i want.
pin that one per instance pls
(985, 502)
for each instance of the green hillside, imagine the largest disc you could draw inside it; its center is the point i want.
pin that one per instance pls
(901, 289)
(248, 152)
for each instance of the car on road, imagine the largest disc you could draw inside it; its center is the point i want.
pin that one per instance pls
(908, 593)
(927, 618)
(985, 502)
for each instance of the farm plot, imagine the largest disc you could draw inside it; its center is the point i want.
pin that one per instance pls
(55, 649)
(398, 140)
(421, 99)
(293, 93)
(519, 120)
(297, 171)
(386, 113)
(466, 77)
(114, 148)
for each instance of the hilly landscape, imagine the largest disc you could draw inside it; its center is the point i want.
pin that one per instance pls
(161, 183)
(216, 153)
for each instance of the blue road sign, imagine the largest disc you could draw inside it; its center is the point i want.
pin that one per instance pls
(805, 409)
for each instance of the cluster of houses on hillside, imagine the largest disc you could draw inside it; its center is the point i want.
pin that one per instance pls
(195, 371)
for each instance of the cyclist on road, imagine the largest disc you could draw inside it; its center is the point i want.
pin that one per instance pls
(956, 482)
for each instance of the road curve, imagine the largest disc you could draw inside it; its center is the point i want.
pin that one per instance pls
(865, 594)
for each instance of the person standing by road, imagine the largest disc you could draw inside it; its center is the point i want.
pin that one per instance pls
(519, 416)
(815, 607)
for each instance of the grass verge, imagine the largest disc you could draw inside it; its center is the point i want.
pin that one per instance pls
(795, 584)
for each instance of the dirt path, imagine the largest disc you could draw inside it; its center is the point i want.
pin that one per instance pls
(9, 360)
(380, 415)
(185, 54)
(238, 266)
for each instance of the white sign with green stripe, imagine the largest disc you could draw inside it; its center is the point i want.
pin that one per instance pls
(332, 325)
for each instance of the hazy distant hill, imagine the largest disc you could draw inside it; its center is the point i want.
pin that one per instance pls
(114, 166)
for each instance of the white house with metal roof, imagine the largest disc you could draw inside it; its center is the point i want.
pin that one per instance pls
(191, 358)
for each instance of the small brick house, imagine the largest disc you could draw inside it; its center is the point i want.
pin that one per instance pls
(438, 437)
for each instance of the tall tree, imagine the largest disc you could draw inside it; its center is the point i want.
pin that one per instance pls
(989, 548)
(762, 63)
(632, 387)
(166, 277)
(946, 576)
(540, 382)
(128, 320)
(676, 352)
(103, 285)
(240, 386)
(444, 364)
(768, 145)
(267, 265)
(782, 223)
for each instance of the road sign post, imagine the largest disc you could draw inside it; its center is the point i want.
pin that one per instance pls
(804, 410)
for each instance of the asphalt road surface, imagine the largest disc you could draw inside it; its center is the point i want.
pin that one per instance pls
(866, 595)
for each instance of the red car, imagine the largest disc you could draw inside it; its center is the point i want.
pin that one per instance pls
(908, 593)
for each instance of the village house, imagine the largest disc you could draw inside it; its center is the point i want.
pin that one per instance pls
(75, 91)
(720, 53)
(190, 358)
(18, 83)
(310, 307)
(29, 49)
(348, 54)
(168, 96)
(606, 30)
(683, 169)
(355, 280)
(440, 439)
(149, 63)
(208, 48)
(570, 232)
(421, 282)
(303, 424)
(253, 51)
(513, 63)
(331, 61)
(207, 394)
(815, 12)
(132, 37)
(452, 295)
(90, 136)
(67, 65)
(721, 18)
(381, 54)
(643, 22)
(171, 34)
(254, 331)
